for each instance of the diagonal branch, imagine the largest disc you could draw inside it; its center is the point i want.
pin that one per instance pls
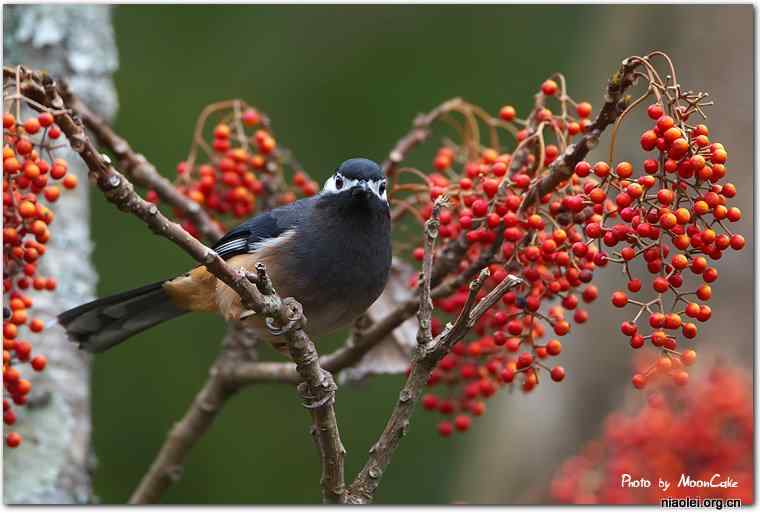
(139, 169)
(562, 168)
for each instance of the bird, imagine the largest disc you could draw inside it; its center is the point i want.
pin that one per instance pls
(331, 252)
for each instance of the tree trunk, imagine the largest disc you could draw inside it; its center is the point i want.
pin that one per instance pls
(54, 463)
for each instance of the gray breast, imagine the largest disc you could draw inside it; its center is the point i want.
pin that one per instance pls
(340, 260)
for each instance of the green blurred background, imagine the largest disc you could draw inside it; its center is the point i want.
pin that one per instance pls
(337, 81)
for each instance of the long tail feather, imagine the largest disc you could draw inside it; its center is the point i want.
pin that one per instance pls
(103, 323)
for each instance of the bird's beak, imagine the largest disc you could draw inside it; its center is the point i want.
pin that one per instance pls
(361, 190)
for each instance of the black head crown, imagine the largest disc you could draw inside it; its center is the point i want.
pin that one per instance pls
(357, 185)
(360, 169)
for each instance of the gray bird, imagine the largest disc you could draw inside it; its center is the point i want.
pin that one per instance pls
(331, 252)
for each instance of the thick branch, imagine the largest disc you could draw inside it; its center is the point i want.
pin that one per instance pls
(167, 467)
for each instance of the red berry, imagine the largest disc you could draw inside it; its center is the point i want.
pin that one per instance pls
(549, 87)
(655, 111)
(583, 109)
(8, 120)
(445, 428)
(619, 299)
(45, 119)
(480, 208)
(13, 439)
(39, 363)
(462, 422)
(639, 381)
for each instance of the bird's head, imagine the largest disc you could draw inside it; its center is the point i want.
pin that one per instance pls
(357, 184)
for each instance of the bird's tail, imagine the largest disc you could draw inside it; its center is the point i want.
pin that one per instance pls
(103, 323)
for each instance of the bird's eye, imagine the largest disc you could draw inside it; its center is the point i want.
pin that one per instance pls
(338, 182)
(382, 188)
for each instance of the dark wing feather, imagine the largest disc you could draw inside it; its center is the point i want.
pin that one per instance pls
(269, 225)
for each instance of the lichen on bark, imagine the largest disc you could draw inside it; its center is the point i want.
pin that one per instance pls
(54, 463)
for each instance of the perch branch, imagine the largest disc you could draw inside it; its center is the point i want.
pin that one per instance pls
(318, 388)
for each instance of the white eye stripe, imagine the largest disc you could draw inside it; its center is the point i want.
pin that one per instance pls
(374, 185)
(331, 186)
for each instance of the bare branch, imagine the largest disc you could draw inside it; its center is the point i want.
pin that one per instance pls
(140, 170)
(425, 311)
(362, 489)
(418, 134)
(167, 466)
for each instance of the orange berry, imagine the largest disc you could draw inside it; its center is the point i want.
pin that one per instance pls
(701, 207)
(18, 317)
(222, 132)
(32, 125)
(58, 170)
(11, 165)
(70, 182)
(250, 117)
(8, 120)
(507, 113)
(549, 87)
(688, 357)
(52, 193)
(27, 209)
(24, 387)
(624, 170)
(24, 147)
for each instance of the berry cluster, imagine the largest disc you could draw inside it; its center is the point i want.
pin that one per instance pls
(242, 164)
(674, 218)
(29, 170)
(695, 432)
(672, 213)
(517, 340)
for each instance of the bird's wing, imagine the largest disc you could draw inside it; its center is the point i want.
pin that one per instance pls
(263, 227)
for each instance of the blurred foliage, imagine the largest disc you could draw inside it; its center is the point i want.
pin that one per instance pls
(337, 81)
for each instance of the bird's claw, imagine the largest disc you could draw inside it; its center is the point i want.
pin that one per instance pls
(276, 330)
(316, 403)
